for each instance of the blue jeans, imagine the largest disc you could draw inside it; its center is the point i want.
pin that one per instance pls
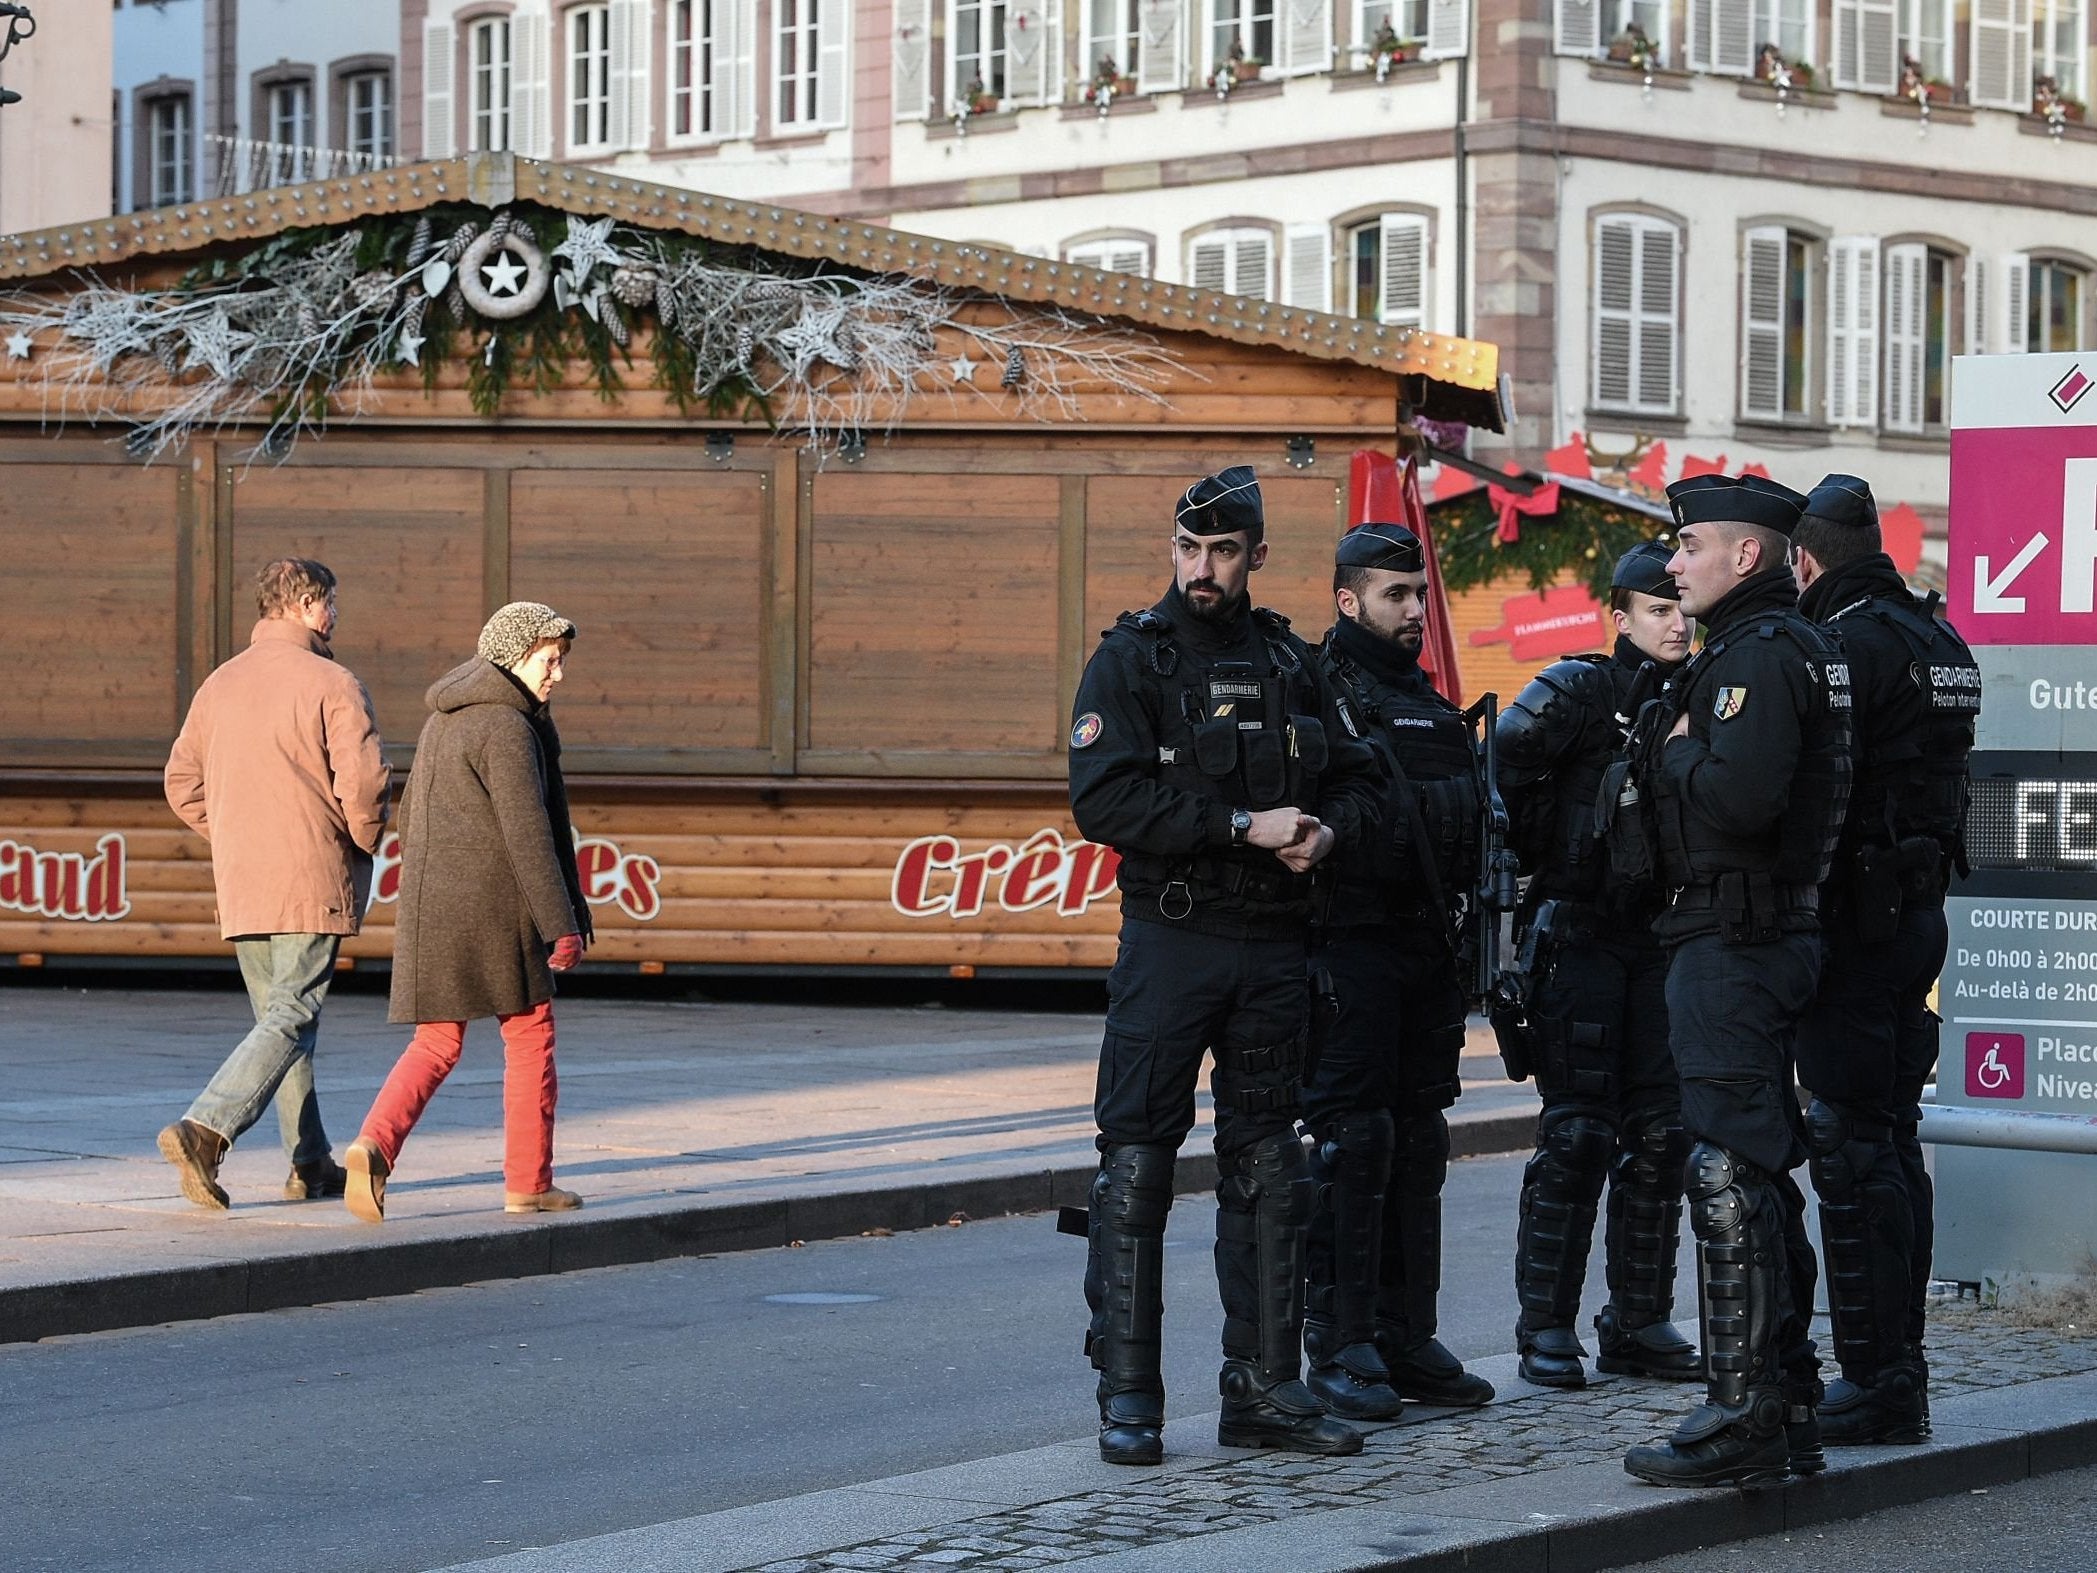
(287, 977)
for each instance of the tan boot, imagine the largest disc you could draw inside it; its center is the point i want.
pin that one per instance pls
(551, 1200)
(195, 1151)
(364, 1191)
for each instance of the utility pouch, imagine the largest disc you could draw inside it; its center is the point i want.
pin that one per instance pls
(1307, 744)
(1874, 894)
(1508, 1011)
(1216, 747)
(1747, 908)
(1625, 821)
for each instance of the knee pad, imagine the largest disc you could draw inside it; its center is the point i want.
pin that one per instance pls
(1271, 1173)
(1654, 1147)
(1420, 1158)
(1133, 1189)
(1722, 1191)
(1576, 1140)
(1355, 1150)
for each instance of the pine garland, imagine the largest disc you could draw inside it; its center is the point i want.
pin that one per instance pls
(1582, 540)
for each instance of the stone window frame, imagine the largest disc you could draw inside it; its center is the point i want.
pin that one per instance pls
(1811, 415)
(341, 116)
(1681, 226)
(144, 97)
(1111, 236)
(1342, 231)
(466, 24)
(264, 82)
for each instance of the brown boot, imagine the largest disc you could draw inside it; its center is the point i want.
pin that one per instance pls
(551, 1200)
(364, 1188)
(195, 1151)
(309, 1181)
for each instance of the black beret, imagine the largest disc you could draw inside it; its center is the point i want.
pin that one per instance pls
(1843, 499)
(1222, 503)
(1381, 546)
(1743, 499)
(1644, 569)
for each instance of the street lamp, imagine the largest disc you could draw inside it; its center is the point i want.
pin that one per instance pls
(20, 27)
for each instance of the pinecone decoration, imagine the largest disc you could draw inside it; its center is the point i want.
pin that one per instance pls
(665, 303)
(455, 303)
(374, 290)
(419, 245)
(411, 320)
(455, 247)
(169, 351)
(745, 343)
(615, 325)
(634, 286)
(1015, 368)
(501, 225)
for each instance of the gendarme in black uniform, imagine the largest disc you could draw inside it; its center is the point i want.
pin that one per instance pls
(1374, 1102)
(1870, 1041)
(1747, 802)
(1597, 1001)
(1184, 725)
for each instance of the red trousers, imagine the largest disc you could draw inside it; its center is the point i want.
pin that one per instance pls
(529, 1088)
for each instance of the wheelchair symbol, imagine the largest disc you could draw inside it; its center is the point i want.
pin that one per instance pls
(1995, 1065)
(1991, 1073)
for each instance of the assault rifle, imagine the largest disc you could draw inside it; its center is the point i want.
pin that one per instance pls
(1493, 892)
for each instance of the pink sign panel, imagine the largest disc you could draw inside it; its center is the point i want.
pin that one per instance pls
(2023, 538)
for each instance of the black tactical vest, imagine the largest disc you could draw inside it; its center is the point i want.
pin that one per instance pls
(1236, 731)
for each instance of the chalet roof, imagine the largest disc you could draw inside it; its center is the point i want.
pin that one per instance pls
(1459, 377)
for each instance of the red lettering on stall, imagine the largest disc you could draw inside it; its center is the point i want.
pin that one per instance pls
(68, 885)
(933, 878)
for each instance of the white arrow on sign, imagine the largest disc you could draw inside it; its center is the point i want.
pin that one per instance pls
(1987, 591)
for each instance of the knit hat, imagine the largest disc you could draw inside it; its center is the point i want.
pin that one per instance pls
(514, 629)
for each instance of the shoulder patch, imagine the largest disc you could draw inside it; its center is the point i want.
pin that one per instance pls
(1729, 703)
(1086, 730)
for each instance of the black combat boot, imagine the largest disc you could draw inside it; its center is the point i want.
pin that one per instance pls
(1802, 1395)
(1124, 1285)
(1560, 1187)
(1264, 1202)
(1350, 1166)
(1736, 1437)
(1887, 1409)
(1634, 1334)
(1867, 1244)
(1411, 1277)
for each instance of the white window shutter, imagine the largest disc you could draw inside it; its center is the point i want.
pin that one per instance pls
(2002, 54)
(1404, 292)
(1113, 256)
(1698, 51)
(1730, 44)
(1867, 48)
(833, 62)
(1907, 301)
(2013, 326)
(1852, 391)
(1211, 265)
(1306, 36)
(1762, 324)
(1658, 305)
(1307, 267)
(1577, 26)
(912, 74)
(1978, 285)
(628, 117)
(1252, 266)
(1614, 292)
(735, 62)
(439, 127)
(1033, 52)
(531, 106)
(1161, 43)
(1448, 30)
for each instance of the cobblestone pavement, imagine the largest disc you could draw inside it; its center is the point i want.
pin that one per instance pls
(1970, 1350)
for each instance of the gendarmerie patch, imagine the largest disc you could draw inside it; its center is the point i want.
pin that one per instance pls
(1237, 699)
(1085, 731)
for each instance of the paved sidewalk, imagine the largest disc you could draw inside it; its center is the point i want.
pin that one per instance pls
(689, 1127)
(1532, 1484)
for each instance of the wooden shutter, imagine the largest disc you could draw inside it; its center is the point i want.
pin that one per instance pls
(1636, 295)
(440, 137)
(1762, 324)
(833, 62)
(1907, 305)
(912, 76)
(2012, 333)
(1449, 29)
(1307, 266)
(735, 67)
(1306, 36)
(1033, 52)
(1659, 302)
(1113, 256)
(1867, 48)
(531, 105)
(1211, 265)
(1853, 331)
(1161, 42)
(1979, 284)
(2002, 54)
(628, 26)
(1404, 259)
(1722, 36)
(1252, 265)
(1578, 26)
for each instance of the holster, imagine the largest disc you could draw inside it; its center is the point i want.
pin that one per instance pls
(1508, 1011)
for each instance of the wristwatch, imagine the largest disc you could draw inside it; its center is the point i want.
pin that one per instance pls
(1241, 826)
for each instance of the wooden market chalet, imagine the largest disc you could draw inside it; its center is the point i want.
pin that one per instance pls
(816, 717)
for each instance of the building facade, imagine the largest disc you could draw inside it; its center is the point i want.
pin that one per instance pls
(55, 143)
(217, 97)
(1708, 231)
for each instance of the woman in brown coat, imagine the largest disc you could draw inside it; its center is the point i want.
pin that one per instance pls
(490, 904)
